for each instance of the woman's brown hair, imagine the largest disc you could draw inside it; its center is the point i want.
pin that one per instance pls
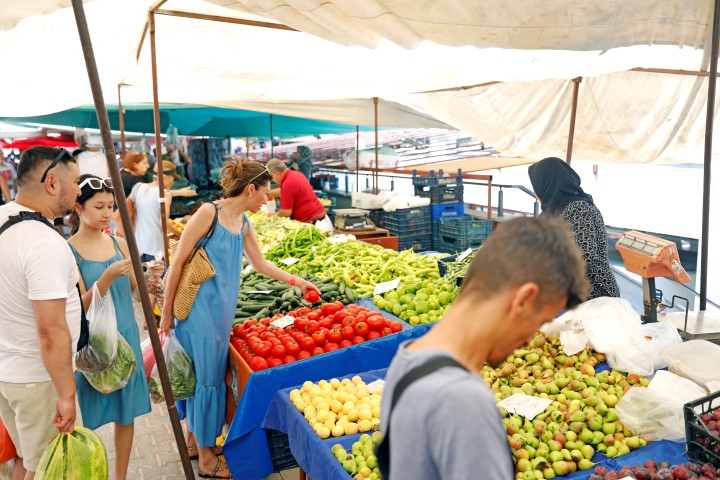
(238, 174)
(132, 158)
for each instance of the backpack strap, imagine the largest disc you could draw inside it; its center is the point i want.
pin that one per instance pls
(382, 449)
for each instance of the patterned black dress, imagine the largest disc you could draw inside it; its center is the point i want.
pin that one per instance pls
(588, 227)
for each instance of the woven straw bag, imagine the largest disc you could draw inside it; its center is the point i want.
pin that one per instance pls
(195, 271)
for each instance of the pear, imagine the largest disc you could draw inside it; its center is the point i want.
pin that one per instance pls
(585, 464)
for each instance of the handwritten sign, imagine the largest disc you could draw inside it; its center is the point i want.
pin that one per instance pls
(283, 322)
(376, 385)
(260, 291)
(289, 260)
(525, 405)
(386, 286)
(464, 255)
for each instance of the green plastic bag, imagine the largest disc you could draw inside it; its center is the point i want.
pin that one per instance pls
(118, 373)
(74, 456)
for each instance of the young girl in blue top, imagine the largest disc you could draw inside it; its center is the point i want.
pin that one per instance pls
(104, 260)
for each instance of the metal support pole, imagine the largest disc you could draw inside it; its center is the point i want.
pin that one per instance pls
(573, 114)
(376, 179)
(357, 158)
(708, 156)
(121, 120)
(158, 139)
(500, 207)
(104, 124)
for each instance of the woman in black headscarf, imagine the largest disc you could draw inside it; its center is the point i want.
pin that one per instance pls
(557, 186)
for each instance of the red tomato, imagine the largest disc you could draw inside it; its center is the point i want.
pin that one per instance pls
(303, 354)
(348, 332)
(292, 348)
(307, 344)
(278, 351)
(375, 322)
(326, 322)
(249, 323)
(312, 296)
(301, 323)
(237, 329)
(274, 362)
(267, 335)
(319, 338)
(349, 320)
(235, 342)
(362, 329)
(386, 331)
(329, 308)
(258, 363)
(259, 328)
(317, 351)
(264, 349)
(303, 310)
(340, 314)
(361, 317)
(289, 359)
(275, 341)
(358, 339)
(334, 335)
(285, 337)
(330, 346)
(395, 326)
(345, 343)
(312, 327)
(372, 335)
(339, 304)
(313, 315)
(265, 321)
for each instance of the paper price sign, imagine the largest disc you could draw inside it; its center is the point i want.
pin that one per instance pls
(386, 286)
(283, 322)
(260, 291)
(525, 405)
(289, 260)
(464, 255)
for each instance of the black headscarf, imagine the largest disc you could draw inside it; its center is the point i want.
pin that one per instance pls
(556, 184)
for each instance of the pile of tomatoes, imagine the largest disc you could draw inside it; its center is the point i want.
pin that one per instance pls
(313, 332)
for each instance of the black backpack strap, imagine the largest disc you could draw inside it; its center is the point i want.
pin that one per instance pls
(37, 216)
(382, 449)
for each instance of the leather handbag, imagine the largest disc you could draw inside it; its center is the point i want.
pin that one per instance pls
(196, 270)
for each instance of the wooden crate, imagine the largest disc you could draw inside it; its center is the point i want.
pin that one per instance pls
(236, 378)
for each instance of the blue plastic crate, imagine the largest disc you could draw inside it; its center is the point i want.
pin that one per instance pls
(446, 210)
(280, 454)
(413, 226)
(403, 215)
(440, 193)
(448, 244)
(419, 243)
(434, 180)
(467, 226)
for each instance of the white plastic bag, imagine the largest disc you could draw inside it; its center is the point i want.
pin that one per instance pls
(118, 374)
(181, 371)
(656, 412)
(658, 337)
(387, 158)
(101, 349)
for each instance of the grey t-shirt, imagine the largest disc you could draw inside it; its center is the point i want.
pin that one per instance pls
(445, 426)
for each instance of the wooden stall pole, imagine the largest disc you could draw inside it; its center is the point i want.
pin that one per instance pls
(158, 140)
(357, 158)
(573, 114)
(104, 124)
(708, 156)
(121, 121)
(376, 178)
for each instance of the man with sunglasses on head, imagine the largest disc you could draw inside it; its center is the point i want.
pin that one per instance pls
(40, 318)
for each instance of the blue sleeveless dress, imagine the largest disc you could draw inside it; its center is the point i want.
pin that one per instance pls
(205, 334)
(133, 400)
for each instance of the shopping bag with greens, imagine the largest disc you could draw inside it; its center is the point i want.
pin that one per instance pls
(100, 351)
(74, 456)
(180, 370)
(118, 373)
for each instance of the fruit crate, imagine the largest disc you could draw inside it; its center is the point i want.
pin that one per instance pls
(702, 444)
(441, 193)
(282, 457)
(436, 180)
(467, 227)
(236, 378)
(446, 210)
(419, 243)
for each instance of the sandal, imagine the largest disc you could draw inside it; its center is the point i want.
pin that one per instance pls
(214, 472)
(193, 452)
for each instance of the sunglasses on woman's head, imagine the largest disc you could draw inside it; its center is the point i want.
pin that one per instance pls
(96, 183)
(63, 156)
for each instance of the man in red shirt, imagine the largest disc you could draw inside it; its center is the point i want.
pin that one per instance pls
(297, 198)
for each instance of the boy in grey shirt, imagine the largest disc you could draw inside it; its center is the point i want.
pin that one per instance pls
(446, 425)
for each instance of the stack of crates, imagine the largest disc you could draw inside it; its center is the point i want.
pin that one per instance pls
(456, 234)
(412, 226)
(446, 197)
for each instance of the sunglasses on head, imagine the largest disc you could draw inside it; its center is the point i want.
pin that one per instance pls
(264, 170)
(63, 156)
(96, 183)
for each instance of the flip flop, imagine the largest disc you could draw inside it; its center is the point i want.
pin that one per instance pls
(193, 452)
(214, 472)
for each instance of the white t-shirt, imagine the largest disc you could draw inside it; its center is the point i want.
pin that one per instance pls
(36, 263)
(148, 231)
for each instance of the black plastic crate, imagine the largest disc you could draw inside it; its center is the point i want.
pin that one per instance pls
(403, 215)
(703, 446)
(419, 243)
(282, 457)
(433, 180)
(467, 226)
(446, 210)
(441, 193)
(450, 244)
(413, 226)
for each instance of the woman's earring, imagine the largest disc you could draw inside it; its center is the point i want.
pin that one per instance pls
(251, 195)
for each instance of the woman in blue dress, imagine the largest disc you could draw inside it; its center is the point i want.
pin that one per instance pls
(205, 333)
(104, 260)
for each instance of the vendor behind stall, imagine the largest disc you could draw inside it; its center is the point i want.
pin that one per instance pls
(297, 198)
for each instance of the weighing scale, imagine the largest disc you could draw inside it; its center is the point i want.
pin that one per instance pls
(353, 219)
(651, 257)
